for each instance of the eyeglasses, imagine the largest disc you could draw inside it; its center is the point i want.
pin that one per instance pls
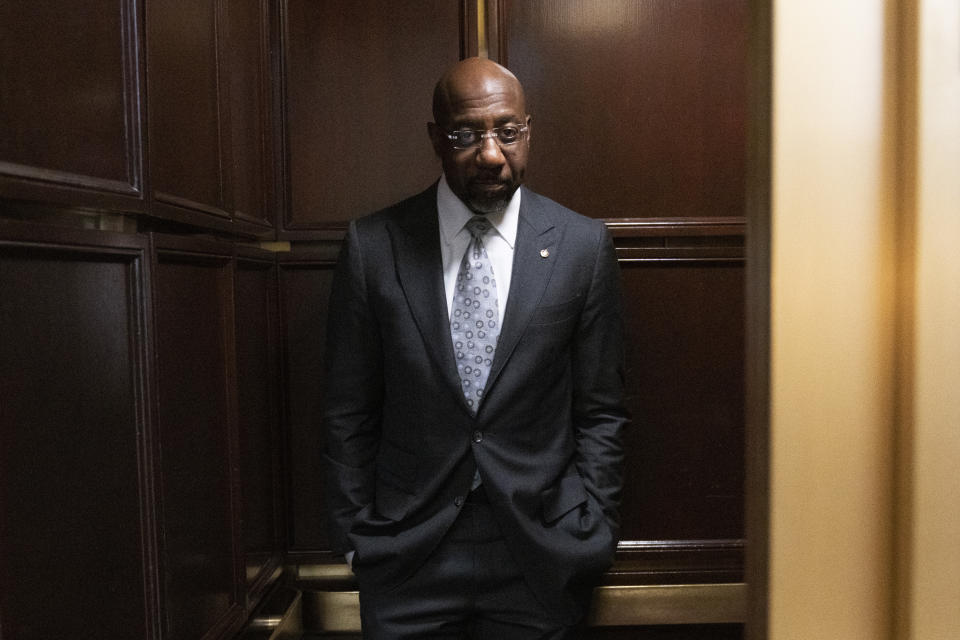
(471, 138)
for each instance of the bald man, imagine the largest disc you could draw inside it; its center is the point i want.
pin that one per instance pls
(474, 404)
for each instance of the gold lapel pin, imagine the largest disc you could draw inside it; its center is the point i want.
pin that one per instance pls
(544, 253)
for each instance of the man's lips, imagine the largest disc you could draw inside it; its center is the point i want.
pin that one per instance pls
(492, 183)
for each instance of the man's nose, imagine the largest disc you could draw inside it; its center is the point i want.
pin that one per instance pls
(490, 154)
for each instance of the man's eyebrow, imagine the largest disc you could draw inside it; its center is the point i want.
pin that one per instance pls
(499, 121)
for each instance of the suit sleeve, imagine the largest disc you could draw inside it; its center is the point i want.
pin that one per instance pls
(599, 414)
(353, 394)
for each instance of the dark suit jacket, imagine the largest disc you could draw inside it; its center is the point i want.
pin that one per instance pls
(401, 446)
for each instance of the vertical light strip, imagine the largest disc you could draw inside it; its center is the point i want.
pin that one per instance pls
(482, 50)
(934, 405)
(905, 109)
(831, 322)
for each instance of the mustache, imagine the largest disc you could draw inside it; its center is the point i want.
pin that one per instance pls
(488, 178)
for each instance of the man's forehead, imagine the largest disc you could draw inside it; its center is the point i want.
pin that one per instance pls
(478, 88)
(486, 85)
(502, 102)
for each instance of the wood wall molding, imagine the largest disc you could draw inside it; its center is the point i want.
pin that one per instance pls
(62, 94)
(197, 431)
(639, 108)
(74, 375)
(211, 111)
(304, 290)
(189, 205)
(677, 562)
(218, 430)
(361, 146)
(259, 399)
(635, 239)
(63, 179)
(78, 114)
(188, 94)
(704, 239)
(251, 110)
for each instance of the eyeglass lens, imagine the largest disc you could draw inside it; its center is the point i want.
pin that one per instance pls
(466, 138)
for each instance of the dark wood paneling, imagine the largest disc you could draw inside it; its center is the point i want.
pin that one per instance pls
(639, 112)
(685, 367)
(305, 289)
(72, 103)
(68, 102)
(75, 516)
(758, 180)
(187, 143)
(248, 55)
(258, 392)
(210, 100)
(359, 79)
(196, 421)
(639, 108)
(653, 562)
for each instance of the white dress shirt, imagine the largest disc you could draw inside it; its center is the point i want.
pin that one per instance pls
(454, 240)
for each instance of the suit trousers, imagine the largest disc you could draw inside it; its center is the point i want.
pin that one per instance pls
(469, 587)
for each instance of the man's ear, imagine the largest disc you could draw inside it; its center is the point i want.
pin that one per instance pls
(436, 138)
(529, 128)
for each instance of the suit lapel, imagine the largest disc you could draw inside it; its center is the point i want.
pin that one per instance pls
(531, 272)
(419, 266)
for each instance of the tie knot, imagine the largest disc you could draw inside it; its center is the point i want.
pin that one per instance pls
(478, 226)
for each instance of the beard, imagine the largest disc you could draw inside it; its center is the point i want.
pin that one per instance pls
(484, 202)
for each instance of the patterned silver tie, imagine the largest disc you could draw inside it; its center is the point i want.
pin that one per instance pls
(475, 320)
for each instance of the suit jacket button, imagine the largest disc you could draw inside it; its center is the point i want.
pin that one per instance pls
(458, 501)
(478, 436)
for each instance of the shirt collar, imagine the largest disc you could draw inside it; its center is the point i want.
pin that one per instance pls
(454, 215)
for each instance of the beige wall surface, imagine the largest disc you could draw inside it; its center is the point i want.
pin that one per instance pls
(831, 322)
(865, 321)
